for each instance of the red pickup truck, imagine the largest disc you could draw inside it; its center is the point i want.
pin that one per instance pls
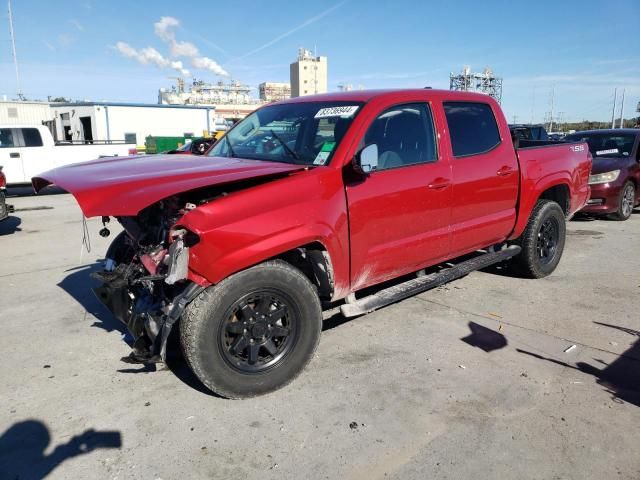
(311, 203)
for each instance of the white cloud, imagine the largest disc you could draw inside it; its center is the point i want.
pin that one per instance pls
(165, 30)
(150, 56)
(177, 65)
(205, 63)
(184, 49)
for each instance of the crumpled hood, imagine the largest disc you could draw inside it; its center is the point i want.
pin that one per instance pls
(123, 186)
(606, 164)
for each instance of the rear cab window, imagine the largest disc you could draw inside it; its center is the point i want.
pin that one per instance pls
(31, 137)
(473, 128)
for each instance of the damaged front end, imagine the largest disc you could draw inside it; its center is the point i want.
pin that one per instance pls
(144, 281)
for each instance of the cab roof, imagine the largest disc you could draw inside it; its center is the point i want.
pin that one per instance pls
(368, 95)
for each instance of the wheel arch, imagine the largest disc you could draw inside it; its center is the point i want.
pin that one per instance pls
(314, 261)
(559, 193)
(557, 190)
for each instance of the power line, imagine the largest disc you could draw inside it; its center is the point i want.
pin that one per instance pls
(13, 49)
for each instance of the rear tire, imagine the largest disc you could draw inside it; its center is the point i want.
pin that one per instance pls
(542, 241)
(626, 202)
(254, 332)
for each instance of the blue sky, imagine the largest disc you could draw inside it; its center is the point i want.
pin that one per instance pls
(581, 49)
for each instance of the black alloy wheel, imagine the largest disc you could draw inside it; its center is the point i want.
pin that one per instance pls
(547, 242)
(542, 241)
(259, 331)
(253, 332)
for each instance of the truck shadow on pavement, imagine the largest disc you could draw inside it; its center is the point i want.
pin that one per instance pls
(621, 377)
(23, 446)
(79, 285)
(10, 225)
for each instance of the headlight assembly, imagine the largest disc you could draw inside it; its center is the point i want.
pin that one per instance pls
(606, 177)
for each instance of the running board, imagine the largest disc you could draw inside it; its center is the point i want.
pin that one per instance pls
(422, 284)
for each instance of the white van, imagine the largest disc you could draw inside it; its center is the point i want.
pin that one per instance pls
(27, 150)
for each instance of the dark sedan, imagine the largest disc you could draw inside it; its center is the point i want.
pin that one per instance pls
(615, 174)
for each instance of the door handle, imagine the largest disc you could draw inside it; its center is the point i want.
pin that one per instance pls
(14, 155)
(504, 171)
(439, 184)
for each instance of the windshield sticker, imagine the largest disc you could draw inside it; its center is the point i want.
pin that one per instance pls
(605, 152)
(344, 112)
(321, 158)
(328, 146)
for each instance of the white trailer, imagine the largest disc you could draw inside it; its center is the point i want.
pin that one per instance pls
(132, 122)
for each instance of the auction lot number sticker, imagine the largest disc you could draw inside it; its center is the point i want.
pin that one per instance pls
(344, 112)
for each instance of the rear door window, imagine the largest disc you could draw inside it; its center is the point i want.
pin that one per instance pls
(472, 127)
(6, 138)
(31, 137)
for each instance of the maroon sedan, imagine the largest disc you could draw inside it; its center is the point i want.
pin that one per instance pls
(615, 174)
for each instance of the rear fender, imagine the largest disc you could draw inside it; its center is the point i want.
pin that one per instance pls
(531, 193)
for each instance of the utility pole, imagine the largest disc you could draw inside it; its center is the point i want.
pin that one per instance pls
(613, 113)
(622, 110)
(551, 116)
(13, 47)
(515, 119)
(533, 102)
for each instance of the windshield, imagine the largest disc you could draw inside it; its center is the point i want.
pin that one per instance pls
(301, 133)
(605, 144)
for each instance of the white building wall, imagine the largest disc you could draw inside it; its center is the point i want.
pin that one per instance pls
(24, 113)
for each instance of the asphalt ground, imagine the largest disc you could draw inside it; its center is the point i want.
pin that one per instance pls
(490, 376)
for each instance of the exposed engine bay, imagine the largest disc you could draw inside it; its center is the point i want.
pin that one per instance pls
(144, 281)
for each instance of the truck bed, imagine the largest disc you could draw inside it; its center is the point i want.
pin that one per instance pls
(545, 163)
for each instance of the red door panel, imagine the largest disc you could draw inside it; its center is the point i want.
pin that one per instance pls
(485, 176)
(399, 222)
(485, 191)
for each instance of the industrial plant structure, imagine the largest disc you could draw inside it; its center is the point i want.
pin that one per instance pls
(274, 91)
(485, 82)
(232, 101)
(308, 74)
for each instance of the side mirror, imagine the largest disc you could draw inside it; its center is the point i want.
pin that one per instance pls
(367, 160)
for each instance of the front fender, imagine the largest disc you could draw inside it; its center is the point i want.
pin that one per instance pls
(250, 226)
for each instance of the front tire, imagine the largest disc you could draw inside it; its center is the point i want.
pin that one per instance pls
(542, 241)
(626, 202)
(254, 332)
